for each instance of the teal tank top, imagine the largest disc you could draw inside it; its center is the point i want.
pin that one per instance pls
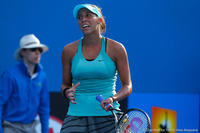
(96, 77)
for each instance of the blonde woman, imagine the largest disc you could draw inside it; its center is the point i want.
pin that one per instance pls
(89, 68)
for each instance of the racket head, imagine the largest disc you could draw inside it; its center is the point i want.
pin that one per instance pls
(134, 121)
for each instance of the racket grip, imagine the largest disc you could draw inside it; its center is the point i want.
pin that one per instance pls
(100, 98)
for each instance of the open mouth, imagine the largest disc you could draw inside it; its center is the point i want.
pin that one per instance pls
(85, 26)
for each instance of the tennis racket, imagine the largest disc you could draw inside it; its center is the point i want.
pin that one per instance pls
(131, 121)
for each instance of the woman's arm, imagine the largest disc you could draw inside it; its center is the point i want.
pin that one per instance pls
(118, 54)
(122, 64)
(68, 53)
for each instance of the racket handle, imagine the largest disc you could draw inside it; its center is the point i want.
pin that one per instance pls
(100, 98)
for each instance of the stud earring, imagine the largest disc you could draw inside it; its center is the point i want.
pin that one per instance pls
(100, 19)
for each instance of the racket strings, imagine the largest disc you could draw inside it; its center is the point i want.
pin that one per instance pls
(124, 125)
(134, 121)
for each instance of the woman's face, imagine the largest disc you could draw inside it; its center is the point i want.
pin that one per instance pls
(88, 21)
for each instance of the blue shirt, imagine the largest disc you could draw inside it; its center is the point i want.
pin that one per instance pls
(23, 97)
(95, 77)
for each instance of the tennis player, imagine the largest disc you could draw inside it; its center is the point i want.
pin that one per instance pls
(89, 68)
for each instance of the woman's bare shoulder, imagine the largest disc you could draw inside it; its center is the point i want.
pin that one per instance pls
(71, 46)
(70, 50)
(115, 45)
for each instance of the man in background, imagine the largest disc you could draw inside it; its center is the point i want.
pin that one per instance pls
(24, 91)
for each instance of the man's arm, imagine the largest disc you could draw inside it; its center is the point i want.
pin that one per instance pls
(5, 92)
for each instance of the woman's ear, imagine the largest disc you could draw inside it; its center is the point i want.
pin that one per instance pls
(100, 20)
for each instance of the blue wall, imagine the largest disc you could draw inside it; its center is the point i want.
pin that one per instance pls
(162, 38)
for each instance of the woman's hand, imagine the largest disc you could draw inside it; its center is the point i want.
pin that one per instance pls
(70, 93)
(106, 102)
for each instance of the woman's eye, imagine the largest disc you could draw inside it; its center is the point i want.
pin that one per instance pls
(88, 15)
(80, 17)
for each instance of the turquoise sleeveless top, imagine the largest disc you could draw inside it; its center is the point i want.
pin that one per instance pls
(96, 77)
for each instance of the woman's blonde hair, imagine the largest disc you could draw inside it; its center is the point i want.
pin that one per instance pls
(103, 24)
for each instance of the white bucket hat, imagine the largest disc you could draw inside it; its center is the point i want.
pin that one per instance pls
(29, 41)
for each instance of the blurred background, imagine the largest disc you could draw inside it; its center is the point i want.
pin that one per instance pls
(162, 39)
